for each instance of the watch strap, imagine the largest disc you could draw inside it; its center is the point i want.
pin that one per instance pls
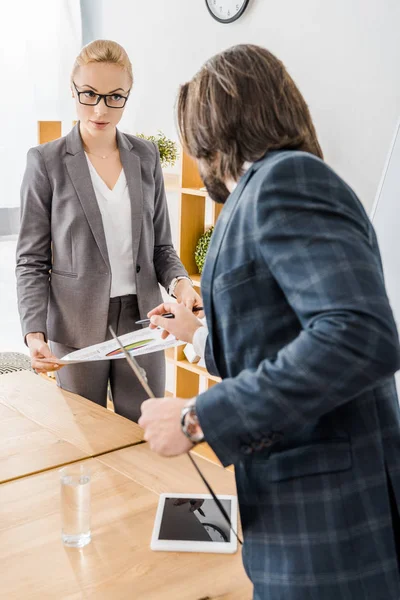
(174, 283)
(190, 424)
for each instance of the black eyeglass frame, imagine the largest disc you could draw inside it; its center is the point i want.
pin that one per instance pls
(99, 97)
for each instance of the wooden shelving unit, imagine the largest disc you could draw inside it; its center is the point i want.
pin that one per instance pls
(48, 131)
(192, 213)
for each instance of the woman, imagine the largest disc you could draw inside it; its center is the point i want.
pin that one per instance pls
(95, 238)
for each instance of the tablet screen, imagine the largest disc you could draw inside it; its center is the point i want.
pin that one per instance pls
(194, 519)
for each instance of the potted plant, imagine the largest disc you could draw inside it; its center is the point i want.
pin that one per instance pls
(167, 148)
(201, 249)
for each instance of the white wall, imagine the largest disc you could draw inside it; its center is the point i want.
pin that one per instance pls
(38, 43)
(344, 56)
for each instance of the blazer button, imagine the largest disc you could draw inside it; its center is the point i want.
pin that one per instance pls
(266, 442)
(275, 436)
(137, 268)
(258, 445)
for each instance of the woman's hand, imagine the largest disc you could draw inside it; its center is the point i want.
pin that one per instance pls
(185, 294)
(42, 359)
(183, 326)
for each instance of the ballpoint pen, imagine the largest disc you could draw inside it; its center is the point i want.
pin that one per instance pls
(168, 316)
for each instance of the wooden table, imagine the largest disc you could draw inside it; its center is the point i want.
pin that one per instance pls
(42, 426)
(118, 564)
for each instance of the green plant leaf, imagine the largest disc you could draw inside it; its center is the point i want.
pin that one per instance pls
(167, 148)
(201, 249)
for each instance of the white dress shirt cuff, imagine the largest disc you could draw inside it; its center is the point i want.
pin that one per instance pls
(200, 340)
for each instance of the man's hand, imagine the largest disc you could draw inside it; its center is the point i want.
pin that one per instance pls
(40, 351)
(161, 421)
(185, 293)
(183, 326)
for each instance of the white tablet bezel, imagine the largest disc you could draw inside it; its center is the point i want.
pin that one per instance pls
(189, 545)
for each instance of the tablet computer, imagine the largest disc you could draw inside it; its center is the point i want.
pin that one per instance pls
(194, 523)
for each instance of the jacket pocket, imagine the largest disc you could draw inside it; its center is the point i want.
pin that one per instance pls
(314, 459)
(235, 277)
(63, 273)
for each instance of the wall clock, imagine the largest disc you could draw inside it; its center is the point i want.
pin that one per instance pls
(226, 11)
(215, 532)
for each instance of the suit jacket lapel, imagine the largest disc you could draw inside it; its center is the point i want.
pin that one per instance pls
(217, 237)
(81, 180)
(80, 176)
(131, 165)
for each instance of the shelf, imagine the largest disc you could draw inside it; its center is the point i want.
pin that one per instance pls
(170, 354)
(185, 364)
(171, 182)
(194, 192)
(190, 172)
(49, 131)
(196, 211)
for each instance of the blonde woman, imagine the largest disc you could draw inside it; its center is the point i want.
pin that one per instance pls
(95, 238)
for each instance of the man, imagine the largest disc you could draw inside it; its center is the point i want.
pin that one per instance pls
(303, 337)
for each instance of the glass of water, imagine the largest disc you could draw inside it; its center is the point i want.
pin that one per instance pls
(75, 505)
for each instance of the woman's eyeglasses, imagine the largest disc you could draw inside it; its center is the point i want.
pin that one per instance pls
(90, 98)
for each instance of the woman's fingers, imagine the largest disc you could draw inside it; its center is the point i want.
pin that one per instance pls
(41, 365)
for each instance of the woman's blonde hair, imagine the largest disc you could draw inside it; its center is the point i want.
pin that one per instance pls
(103, 51)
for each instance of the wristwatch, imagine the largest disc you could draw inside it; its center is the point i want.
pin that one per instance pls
(190, 424)
(174, 283)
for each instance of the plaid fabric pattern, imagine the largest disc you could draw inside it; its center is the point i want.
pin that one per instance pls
(302, 334)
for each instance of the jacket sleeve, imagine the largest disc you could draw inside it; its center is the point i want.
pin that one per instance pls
(166, 261)
(316, 240)
(34, 246)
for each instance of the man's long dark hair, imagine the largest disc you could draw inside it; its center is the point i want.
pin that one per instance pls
(240, 105)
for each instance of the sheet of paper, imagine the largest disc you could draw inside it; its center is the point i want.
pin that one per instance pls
(136, 343)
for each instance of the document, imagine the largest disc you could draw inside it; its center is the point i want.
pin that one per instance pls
(136, 343)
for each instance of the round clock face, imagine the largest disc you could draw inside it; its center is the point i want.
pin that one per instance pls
(226, 11)
(215, 533)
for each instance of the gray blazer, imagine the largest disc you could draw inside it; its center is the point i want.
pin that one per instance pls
(63, 270)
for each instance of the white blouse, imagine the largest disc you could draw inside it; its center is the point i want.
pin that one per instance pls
(115, 209)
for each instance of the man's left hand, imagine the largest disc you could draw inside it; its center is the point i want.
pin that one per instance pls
(161, 421)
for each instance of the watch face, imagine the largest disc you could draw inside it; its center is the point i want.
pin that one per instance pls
(226, 11)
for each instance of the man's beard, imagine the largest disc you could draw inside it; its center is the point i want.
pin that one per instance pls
(216, 188)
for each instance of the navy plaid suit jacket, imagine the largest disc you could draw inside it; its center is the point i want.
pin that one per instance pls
(302, 334)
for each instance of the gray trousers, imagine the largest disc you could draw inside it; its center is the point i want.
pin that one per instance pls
(91, 379)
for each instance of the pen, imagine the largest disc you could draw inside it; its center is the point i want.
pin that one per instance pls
(168, 315)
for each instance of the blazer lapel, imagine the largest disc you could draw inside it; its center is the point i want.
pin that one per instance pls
(217, 237)
(81, 180)
(131, 165)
